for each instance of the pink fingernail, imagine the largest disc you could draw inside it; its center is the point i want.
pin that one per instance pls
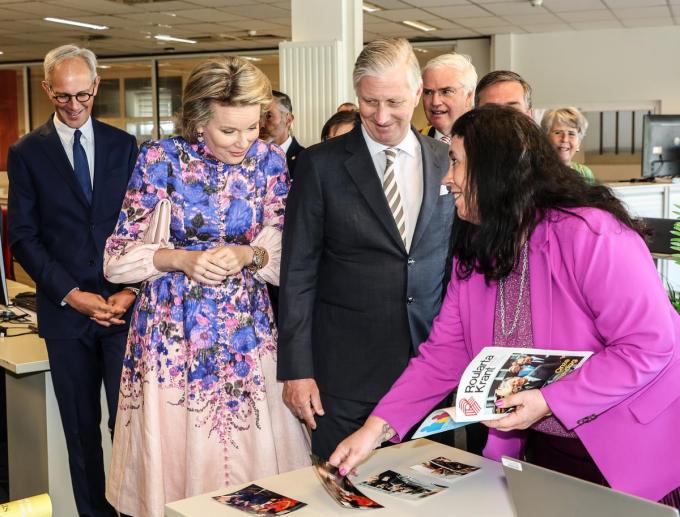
(343, 471)
(500, 403)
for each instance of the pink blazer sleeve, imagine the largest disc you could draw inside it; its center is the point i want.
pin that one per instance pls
(615, 273)
(432, 374)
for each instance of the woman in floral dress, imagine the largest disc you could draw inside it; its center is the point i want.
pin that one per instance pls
(200, 407)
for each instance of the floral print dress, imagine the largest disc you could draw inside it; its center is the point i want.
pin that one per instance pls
(199, 405)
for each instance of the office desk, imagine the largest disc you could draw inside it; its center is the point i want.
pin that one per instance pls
(38, 461)
(482, 494)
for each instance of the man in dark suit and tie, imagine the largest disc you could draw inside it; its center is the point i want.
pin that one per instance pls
(449, 84)
(364, 248)
(277, 129)
(67, 182)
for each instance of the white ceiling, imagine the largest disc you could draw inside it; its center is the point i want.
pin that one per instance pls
(223, 25)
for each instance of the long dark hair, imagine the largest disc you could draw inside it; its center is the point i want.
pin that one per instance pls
(514, 178)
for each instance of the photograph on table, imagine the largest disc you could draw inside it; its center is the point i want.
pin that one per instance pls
(340, 488)
(256, 500)
(402, 486)
(444, 468)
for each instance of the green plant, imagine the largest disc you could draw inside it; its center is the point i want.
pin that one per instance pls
(673, 295)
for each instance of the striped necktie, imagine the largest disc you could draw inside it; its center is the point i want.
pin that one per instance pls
(392, 193)
(446, 139)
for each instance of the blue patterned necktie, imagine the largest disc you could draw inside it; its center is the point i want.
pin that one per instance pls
(80, 166)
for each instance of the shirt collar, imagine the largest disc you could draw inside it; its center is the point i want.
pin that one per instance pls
(408, 145)
(286, 144)
(66, 132)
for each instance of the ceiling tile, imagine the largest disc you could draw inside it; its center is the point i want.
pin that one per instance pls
(390, 4)
(532, 18)
(586, 16)
(484, 21)
(647, 22)
(513, 8)
(207, 15)
(459, 11)
(559, 6)
(550, 27)
(456, 33)
(614, 4)
(642, 12)
(398, 15)
(487, 31)
(596, 25)
(262, 12)
(436, 3)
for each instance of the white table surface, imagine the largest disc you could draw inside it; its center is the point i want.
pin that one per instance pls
(481, 494)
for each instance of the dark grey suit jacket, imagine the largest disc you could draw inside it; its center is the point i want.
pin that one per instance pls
(354, 304)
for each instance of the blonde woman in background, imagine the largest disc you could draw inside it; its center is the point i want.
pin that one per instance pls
(200, 407)
(566, 128)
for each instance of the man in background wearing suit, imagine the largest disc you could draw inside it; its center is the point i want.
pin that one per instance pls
(67, 181)
(277, 123)
(449, 84)
(505, 88)
(364, 248)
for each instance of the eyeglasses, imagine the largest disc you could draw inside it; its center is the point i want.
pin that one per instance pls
(65, 98)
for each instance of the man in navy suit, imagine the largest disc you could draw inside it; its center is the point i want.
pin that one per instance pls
(364, 252)
(67, 182)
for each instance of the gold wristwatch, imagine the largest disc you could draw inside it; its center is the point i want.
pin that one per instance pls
(258, 259)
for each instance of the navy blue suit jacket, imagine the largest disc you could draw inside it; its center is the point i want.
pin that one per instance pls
(56, 236)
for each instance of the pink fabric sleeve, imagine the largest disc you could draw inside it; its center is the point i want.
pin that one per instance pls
(269, 239)
(432, 374)
(630, 309)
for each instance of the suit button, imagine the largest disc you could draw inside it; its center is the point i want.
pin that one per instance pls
(410, 300)
(411, 261)
(91, 263)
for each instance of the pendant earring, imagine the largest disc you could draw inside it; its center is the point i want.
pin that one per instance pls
(199, 137)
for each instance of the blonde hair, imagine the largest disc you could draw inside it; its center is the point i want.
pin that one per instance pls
(384, 54)
(231, 81)
(571, 117)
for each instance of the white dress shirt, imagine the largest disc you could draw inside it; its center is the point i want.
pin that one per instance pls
(408, 170)
(286, 143)
(86, 140)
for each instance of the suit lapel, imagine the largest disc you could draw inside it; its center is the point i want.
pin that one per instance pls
(100, 159)
(55, 151)
(362, 171)
(432, 177)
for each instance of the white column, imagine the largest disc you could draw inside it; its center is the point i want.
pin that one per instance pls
(316, 67)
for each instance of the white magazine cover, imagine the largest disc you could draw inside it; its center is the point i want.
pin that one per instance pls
(495, 373)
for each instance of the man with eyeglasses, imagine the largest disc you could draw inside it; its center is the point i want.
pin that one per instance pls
(67, 182)
(448, 88)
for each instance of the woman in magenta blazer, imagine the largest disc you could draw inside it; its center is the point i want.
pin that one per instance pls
(544, 259)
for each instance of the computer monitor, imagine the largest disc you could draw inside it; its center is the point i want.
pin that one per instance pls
(661, 146)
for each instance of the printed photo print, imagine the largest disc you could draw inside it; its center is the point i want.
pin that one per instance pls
(444, 468)
(341, 488)
(256, 500)
(402, 486)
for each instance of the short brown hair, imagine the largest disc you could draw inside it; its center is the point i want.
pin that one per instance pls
(503, 76)
(231, 81)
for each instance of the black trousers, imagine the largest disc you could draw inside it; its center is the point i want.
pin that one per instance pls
(78, 368)
(342, 417)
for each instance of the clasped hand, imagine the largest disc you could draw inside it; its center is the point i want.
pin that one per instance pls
(530, 406)
(214, 265)
(105, 312)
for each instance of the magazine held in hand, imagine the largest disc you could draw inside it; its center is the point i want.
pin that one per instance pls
(495, 373)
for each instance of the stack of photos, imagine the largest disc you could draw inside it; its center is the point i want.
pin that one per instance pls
(256, 500)
(444, 468)
(402, 486)
(341, 488)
